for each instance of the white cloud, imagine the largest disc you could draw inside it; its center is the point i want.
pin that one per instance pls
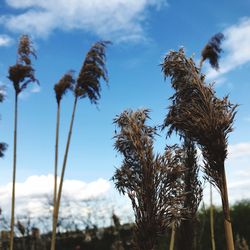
(236, 48)
(239, 150)
(5, 40)
(114, 19)
(33, 195)
(33, 90)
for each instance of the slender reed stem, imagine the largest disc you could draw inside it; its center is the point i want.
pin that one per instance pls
(53, 241)
(226, 211)
(212, 218)
(14, 176)
(172, 240)
(56, 156)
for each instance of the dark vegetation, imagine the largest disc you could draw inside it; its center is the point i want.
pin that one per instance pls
(119, 236)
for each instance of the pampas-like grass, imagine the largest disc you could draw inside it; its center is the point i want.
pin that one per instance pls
(65, 83)
(21, 74)
(154, 183)
(87, 85)
(194, 190)
(196, 113)
(212, 51)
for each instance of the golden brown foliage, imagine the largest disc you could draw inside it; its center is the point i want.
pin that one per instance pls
(22, 73)
(94, 68)
(65, 83)
(153, 183)
(212, 51)
(196, 112)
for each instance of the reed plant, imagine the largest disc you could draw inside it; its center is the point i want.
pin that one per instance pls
(211, 52)
(152, 182)
(21, 75)
(87, 85)
(194, 192)
(198, 114)
(65, 83)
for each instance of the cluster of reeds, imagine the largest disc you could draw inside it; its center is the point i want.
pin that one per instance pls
(86, 85)
(196, 113)
(21, 75)
(154, 183)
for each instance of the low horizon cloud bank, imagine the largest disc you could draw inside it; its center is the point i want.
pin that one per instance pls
(34, 196)
(82, 203)
(36, 192)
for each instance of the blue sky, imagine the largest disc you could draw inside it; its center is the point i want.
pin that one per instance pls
(142, 32)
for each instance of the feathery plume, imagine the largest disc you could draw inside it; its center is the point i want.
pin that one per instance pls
(212, 51)
(22, 73)
(94, 68)
(196, 113)
(65, 83)
(153, 183)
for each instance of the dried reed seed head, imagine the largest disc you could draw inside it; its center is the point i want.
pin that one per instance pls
(25, 49)
(65, 83)
(94, 68)
(22, 73)
(212, 50)
(153, 183)
(196, 112)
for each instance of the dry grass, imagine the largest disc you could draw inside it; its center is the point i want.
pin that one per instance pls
(196, 113)
(154, 183)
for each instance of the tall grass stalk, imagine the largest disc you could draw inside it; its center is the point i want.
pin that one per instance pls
(87, 85)
(172, 239)
(211, 52)
(65, 83)
(21, 74)
(198, 114)
(212, 218)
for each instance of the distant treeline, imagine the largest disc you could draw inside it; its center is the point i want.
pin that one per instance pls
(119, 237)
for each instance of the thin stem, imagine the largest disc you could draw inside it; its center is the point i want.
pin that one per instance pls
(212, 218)
(56, 157)
(14, 176)
(172, 240)
(226, 211)
(53, 241)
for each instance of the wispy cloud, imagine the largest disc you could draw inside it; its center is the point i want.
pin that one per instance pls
(5, 40)
(26, 94)
(236, 49)
(119, 20)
